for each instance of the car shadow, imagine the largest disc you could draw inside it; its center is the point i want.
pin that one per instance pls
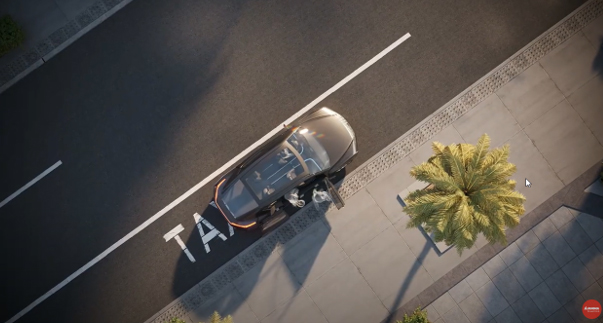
(598, 61)
(287, 255)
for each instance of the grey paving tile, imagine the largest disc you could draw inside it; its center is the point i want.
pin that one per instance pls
(261, 295)
(599, 245)
(569, 64)
(530, 164)
(300, 309)
(544, 229)
(444, 303)
(561, 316)
(489, 116)
(432, 313)
(358, 223)
(527, 242)
(576, 237)
(525, 273)
(542, 261)
(507, 316)
(592, 258)
(559, 249)
(508, 285)
(343, 295)
(312, 253)
(578, 274)
(477, 279)
(574, 308)
(385, 188)
(455, 315)
(587, 101)
(559, 131)
(530, 94)
(475, 311)
(593, 226)
(491, 297)
(527, 311)
(594, 292)
(494, 266)
(561, 217)
(511, 254)
(561, 287)
(393, 273)
(460, 291)
(544, 299)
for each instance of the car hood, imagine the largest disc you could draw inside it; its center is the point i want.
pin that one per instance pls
(333, 133)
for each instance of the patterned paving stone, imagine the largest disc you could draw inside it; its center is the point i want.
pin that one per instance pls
(561, 287)
(525, 273)
(559, 249)
(491, 297)
(578, 274)
(527, 311)
(545, 300)
(511, 254)
(576, 237)
(494, 266)
(508, 285)
(542, 261)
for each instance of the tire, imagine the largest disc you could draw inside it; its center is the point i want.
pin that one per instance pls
(274, 221)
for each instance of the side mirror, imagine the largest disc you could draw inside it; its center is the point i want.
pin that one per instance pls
(335, 197)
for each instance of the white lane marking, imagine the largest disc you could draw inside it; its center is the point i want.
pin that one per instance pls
(230, 230)
(205, 181)
(213, 232)
(33, 181)
(212, 203)
(174, 233)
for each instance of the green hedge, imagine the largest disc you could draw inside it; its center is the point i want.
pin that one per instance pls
(11, 35)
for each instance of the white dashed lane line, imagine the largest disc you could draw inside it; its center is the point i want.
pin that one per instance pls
(28, 185)
(210, 178)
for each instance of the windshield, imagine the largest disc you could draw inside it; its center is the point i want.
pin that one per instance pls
(311, 151)
(238, 200)
(273, 173)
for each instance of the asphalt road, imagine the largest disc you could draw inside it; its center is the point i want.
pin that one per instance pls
(163, 93)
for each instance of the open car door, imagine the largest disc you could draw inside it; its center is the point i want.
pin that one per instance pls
(335, 197)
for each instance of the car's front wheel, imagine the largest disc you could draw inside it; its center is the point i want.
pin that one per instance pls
(273, 221)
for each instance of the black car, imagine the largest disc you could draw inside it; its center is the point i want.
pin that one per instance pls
(311, 151)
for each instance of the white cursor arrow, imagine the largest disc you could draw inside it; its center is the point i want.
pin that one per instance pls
(528, 184)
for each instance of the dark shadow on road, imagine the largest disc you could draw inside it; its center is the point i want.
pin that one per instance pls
(125, 116)
(598, 62)
(287, 271)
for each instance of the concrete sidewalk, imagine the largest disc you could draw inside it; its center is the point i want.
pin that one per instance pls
(49, 27)
(361, 264)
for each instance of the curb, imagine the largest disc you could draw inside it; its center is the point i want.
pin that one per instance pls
(58, 41)
(530, 54)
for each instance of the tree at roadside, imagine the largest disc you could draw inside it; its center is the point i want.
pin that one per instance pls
(470, 192)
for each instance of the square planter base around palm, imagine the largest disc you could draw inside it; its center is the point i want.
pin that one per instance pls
(441, 246)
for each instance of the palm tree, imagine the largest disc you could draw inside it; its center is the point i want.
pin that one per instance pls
(469, 193)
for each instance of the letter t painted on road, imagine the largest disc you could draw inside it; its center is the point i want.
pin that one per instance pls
(174, 234)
